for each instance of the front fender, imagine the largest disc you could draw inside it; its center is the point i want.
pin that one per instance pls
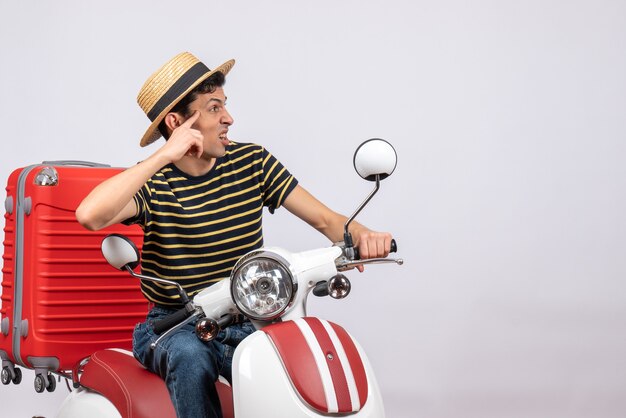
(304, 368)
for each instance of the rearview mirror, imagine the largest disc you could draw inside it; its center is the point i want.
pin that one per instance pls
(120, 251)
(374, 160)
(375, 157)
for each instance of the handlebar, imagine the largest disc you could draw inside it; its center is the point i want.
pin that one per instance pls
(321, 289)
(393, 249)
(351, 258)
(171, 320)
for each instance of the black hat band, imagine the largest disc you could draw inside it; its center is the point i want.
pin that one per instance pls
(177, 89)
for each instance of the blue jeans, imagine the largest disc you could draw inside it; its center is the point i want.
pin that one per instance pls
(188, 365)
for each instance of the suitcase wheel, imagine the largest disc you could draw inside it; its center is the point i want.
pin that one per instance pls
(17, 379)
(46, 382)
(7, 377)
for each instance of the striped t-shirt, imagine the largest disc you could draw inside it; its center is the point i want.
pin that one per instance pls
(196, 228)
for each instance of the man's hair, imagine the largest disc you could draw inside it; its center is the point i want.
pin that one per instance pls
(182, 107)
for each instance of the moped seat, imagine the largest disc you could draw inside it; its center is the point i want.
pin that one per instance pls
(135, 391)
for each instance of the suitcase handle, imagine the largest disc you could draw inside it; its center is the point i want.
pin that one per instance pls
(75, 162)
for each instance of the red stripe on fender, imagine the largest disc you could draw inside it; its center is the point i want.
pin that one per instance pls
(356, 364)
(337, 372)
(299, 362)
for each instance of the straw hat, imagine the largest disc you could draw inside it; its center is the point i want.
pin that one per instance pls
(169, 85)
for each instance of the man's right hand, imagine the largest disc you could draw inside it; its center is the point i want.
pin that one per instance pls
(112, 200)
(184, 141)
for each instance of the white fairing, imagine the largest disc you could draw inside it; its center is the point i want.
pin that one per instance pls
(375, 156)
(308, 268)
(256, 360)
(216, 300)
(82, 403)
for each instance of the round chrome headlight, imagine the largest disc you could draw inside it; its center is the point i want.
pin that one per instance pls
(262, 286)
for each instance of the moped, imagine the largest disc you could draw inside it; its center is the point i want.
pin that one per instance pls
(291, 366)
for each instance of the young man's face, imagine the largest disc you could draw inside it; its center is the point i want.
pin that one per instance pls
(213, 121)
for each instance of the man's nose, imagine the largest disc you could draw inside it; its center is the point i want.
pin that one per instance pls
(227, 119)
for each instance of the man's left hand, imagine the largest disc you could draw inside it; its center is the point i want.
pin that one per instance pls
(371, 244)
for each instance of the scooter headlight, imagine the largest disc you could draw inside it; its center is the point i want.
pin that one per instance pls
(262, 286)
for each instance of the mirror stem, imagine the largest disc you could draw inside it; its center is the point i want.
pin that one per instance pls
(181, 291)
(347, 237)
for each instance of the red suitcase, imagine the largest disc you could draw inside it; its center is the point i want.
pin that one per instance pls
(61, 301)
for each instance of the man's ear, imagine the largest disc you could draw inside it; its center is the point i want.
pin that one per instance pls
(172, 121)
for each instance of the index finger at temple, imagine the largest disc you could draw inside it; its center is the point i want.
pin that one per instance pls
(191, 120)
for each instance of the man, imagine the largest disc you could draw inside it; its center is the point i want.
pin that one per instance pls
(199, 199)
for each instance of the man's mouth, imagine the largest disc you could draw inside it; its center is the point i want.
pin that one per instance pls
(224, 138)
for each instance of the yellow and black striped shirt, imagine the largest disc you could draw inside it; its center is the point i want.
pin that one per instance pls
(196, 228)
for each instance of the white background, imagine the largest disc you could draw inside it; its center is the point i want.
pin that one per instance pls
(509, 198)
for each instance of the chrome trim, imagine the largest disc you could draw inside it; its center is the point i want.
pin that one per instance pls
(365, 202)
(341, 266)
(260, 254)
(178, 286)
(167, 333)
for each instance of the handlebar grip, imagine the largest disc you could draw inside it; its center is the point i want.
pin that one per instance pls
(171, 320)
(393, 249)
(321, 288)
(225, 321)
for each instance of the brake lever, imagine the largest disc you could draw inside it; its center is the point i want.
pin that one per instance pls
(346, 265)
(350, 257)
(193, 316)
